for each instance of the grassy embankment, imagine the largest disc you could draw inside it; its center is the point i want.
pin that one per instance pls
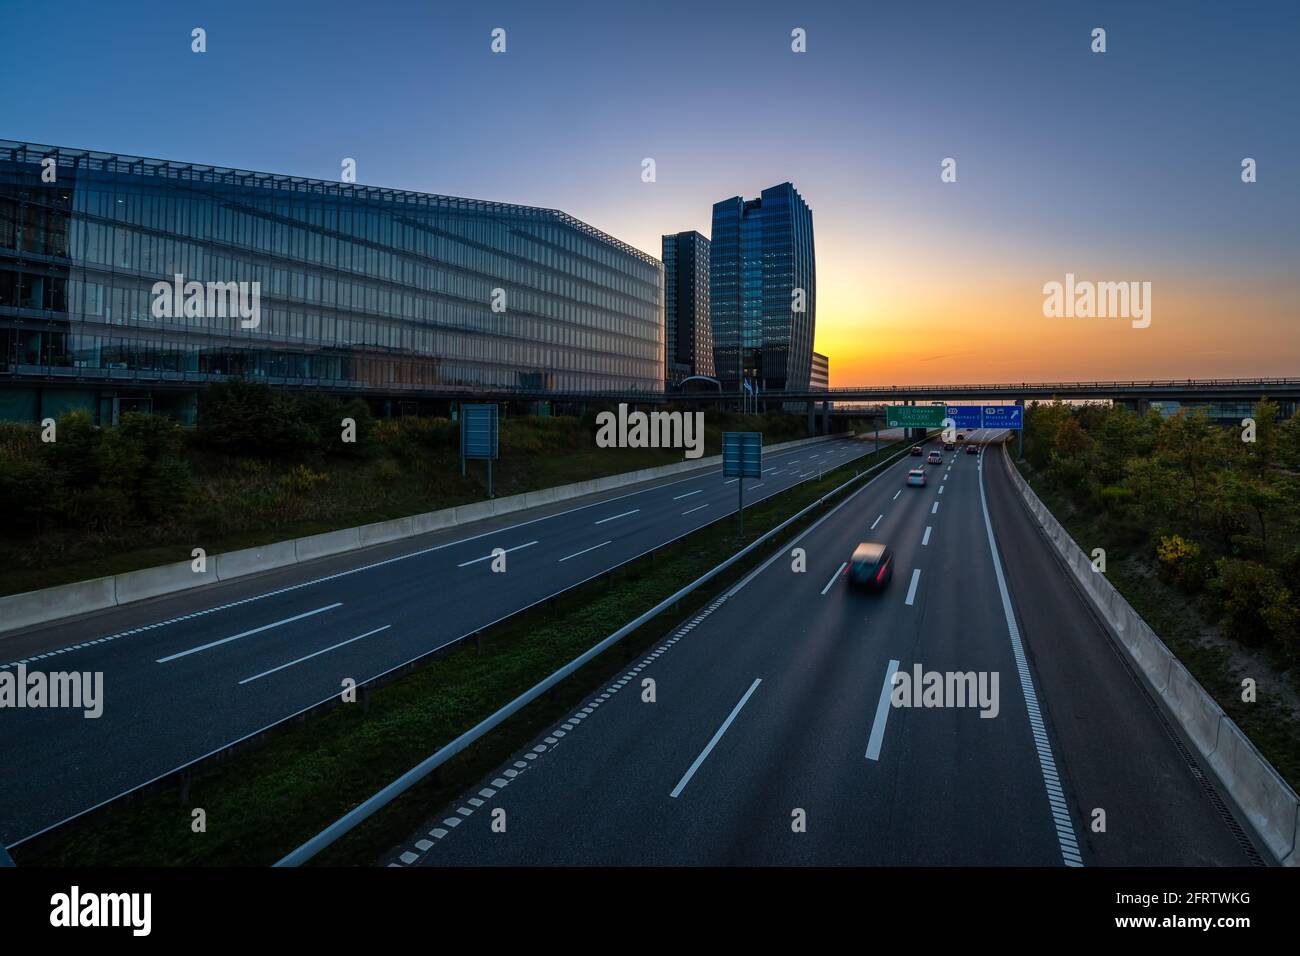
(106, 501)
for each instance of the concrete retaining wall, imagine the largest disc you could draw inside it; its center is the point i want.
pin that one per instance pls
(1267, 800)
(18, 611)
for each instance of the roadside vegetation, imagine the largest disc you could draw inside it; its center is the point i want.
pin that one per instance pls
(264, 465)
(272, 794)
(1201, 531)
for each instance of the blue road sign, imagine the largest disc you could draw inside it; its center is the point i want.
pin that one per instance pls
(742, 454)
(1002, 416)
(478, 431)
(964, 416)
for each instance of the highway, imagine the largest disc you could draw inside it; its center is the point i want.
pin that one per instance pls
(771, 738)
(189, 674)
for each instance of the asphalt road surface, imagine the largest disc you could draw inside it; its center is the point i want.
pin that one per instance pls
(768, 742)
(189, 674)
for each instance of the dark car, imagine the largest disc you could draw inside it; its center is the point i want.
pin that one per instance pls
(948, 446)
(916, 450)
(972, 449)
(871, 566)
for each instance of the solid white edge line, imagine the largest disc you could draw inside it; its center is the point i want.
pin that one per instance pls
(585, 550)
(333, 647)
(256, 630)
(882, 713)
(838, 572)
(911, 588)
(1070, 855)
(681, 784)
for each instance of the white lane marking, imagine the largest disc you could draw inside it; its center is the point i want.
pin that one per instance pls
(766, 470)
(256, 630)
(838, 572)
(488, 557)
(882, 713)
(681, 784)
(876, 522)
(911, 588)
(731, 482)
(926, 539)
(896, 494)
(1046, 764)
(315, 654)
(691, 510)
(759, 485)
(935, 509)
(616, 517)
(697, 491)
(585, 550)
(941, 489)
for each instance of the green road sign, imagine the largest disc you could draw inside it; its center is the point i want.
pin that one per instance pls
(915, 416)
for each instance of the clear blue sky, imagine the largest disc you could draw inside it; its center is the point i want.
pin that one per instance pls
(1122, 165)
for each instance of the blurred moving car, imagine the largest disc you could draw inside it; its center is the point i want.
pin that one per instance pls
(972, 449)
(916, 476)
(916, 450)
(935, 458)
(871, 566)
(948, 446)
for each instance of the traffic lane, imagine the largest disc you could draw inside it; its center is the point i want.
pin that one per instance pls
(150, 612)
(181, 709)
(968, 788)
(1113, 746)
(372, 568)
(625, 762)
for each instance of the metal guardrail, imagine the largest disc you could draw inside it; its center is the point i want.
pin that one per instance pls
(388, 794)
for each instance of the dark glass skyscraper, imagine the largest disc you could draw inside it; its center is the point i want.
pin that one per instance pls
(688, 335)
(763, 289)
(363, 290)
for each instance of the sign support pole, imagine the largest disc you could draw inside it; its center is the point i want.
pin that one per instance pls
(490, 495)
(740, 501)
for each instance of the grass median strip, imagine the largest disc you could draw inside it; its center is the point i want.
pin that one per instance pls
(268, 797)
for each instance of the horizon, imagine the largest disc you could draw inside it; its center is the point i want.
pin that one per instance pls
(1114, 167)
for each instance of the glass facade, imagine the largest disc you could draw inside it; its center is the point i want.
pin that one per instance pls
(688, 333)
(367, 290)
(762, 250)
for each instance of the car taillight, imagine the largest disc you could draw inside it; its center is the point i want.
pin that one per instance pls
(881, 573)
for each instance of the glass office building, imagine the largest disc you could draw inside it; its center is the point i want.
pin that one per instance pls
(360, 290)
(762, 252)
(688, 335)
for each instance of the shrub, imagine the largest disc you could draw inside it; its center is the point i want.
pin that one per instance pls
(1244, 591)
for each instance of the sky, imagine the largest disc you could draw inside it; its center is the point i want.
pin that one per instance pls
(1115, 166)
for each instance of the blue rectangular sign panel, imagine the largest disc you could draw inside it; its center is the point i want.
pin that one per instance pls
(742, 454)
(478, 431)
(964, 416)
(1002, 416)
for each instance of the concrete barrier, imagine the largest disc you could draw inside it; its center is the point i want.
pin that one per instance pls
(151, 582)
(1196, 711)
(324, 545)
(20, 611)
(1270, 804)
(236, 564)
(1258, 789)
(383, 531)
(65, 600)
